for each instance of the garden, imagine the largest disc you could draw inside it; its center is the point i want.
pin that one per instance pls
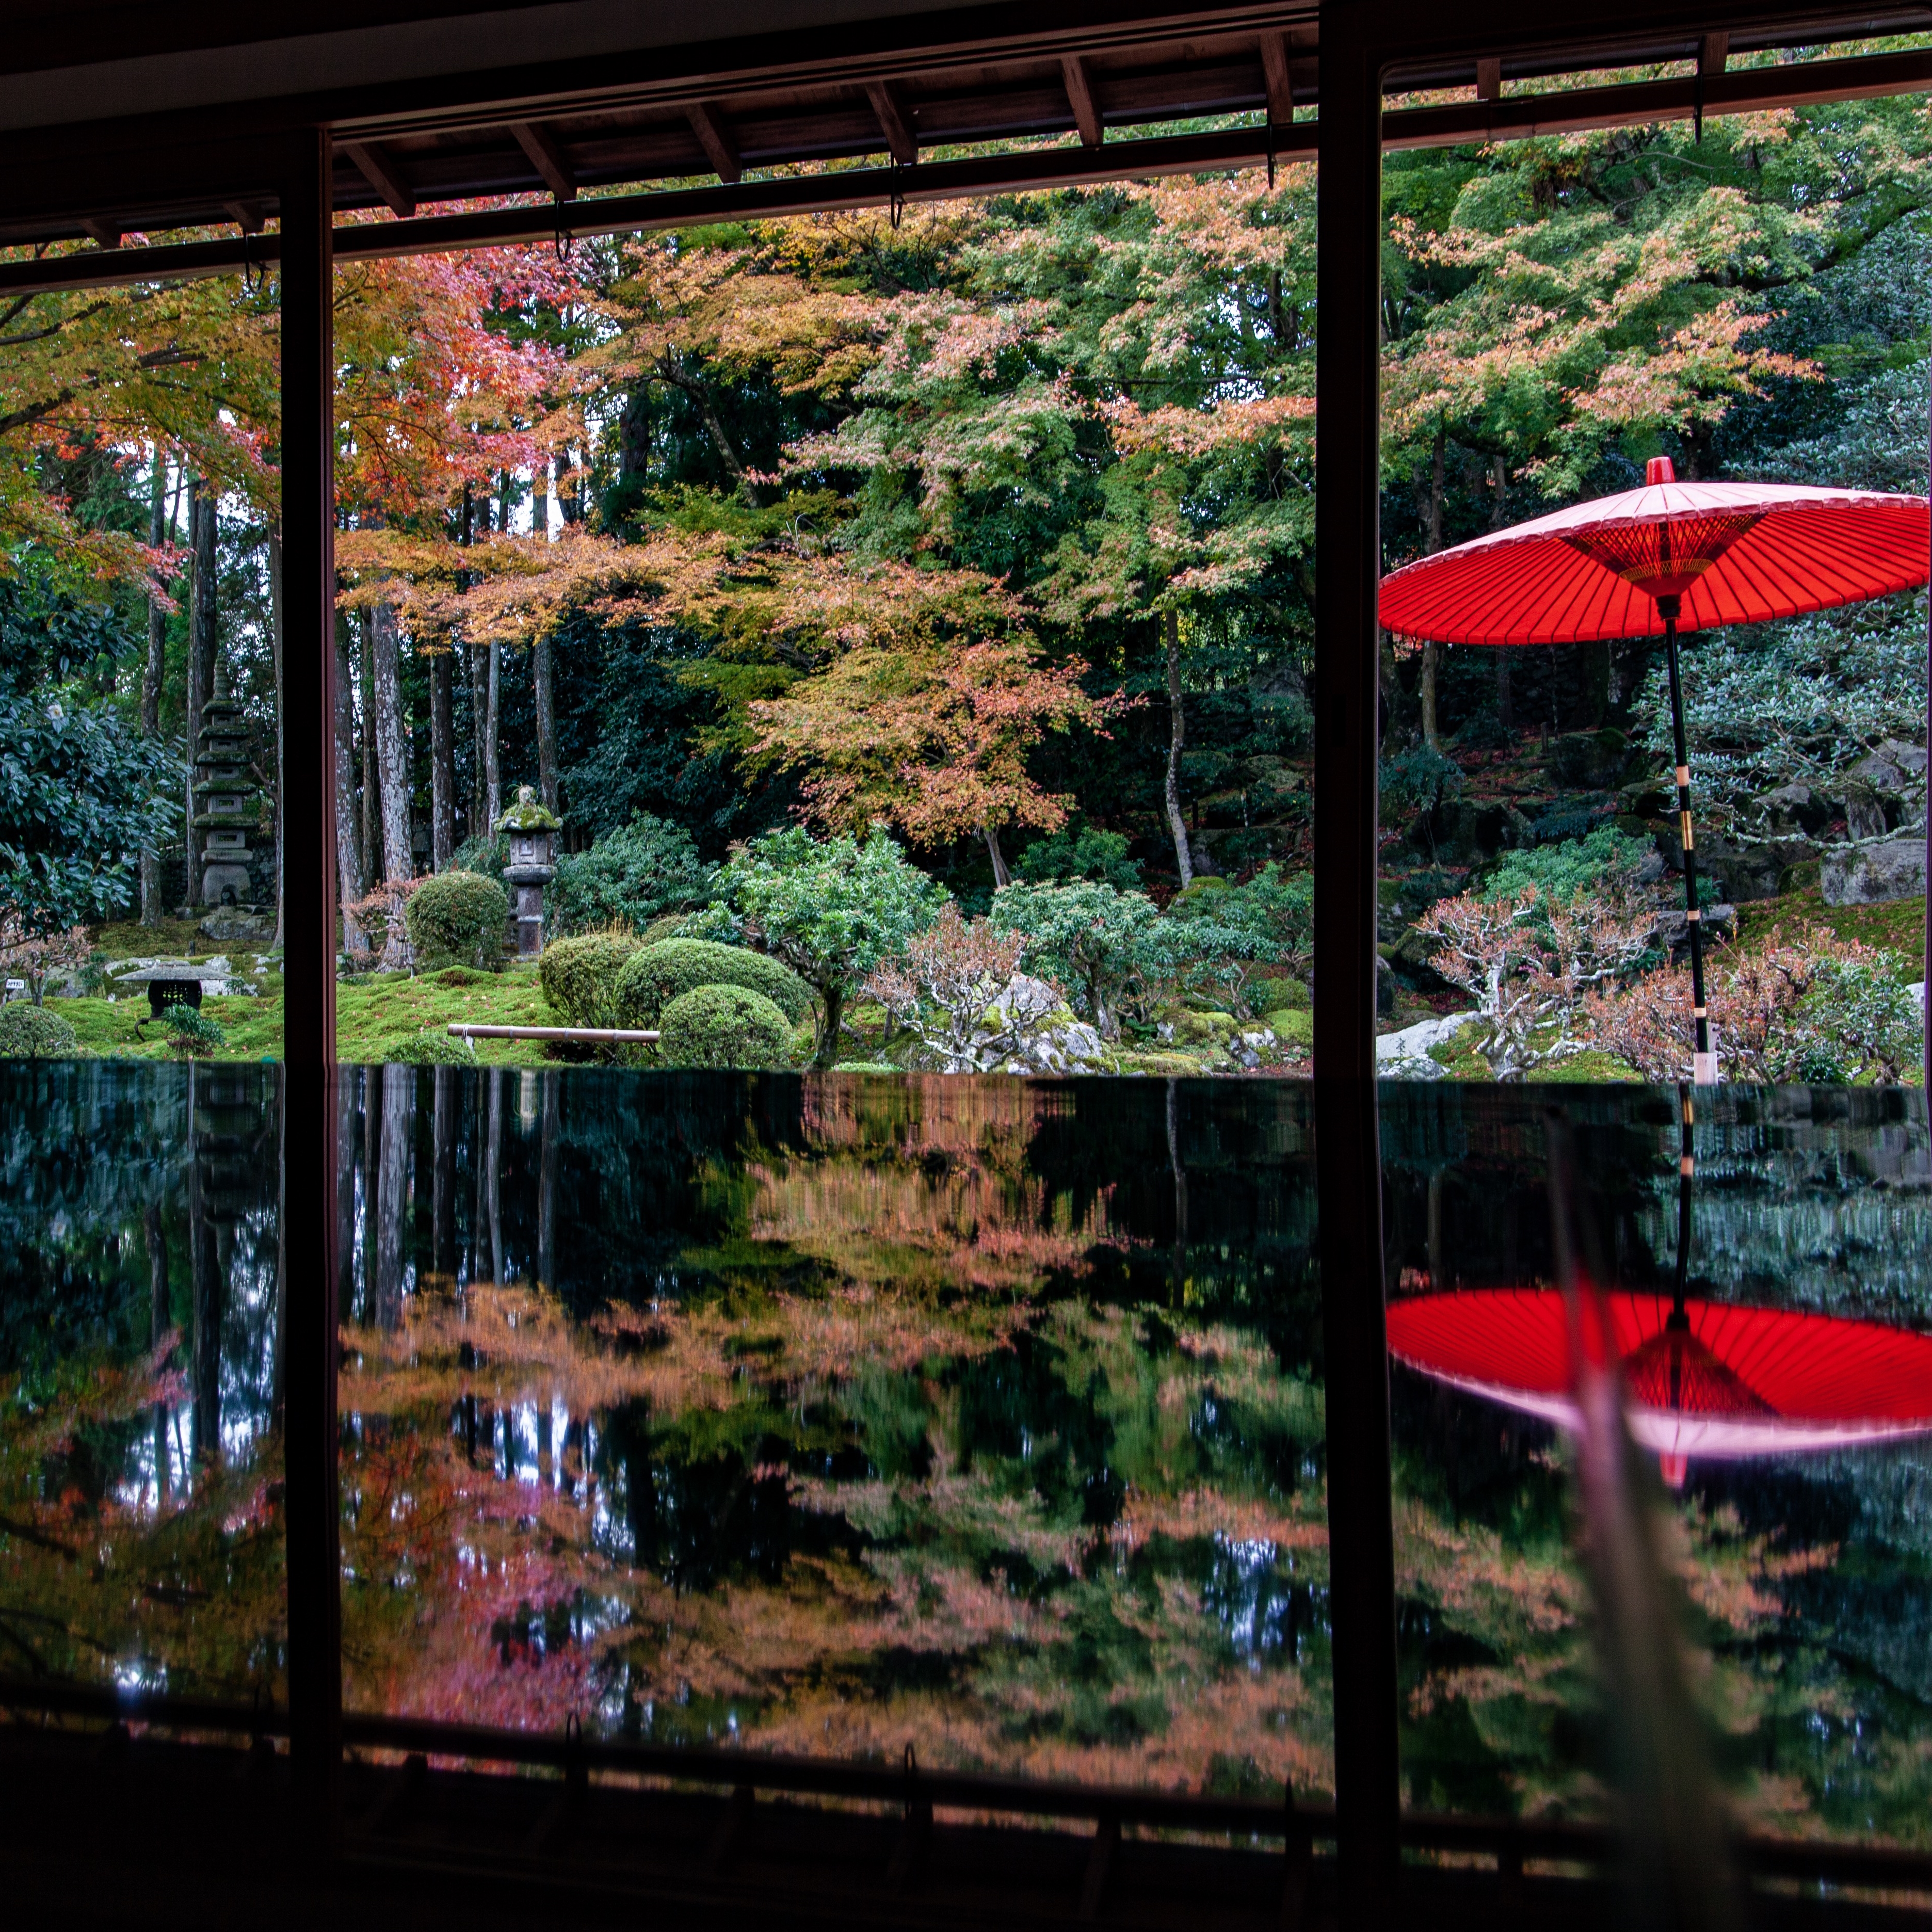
(838, 642)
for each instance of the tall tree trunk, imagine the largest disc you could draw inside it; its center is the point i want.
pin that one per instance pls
(540, 655)
(1498, 485)
(202, 619)
(1001, 877)
(1177, 735)
(442, 758)
(372, 790)
(492, 762)
(479, 741)
(281, 735)
(392, 749)
(151, 676)
(348, 863)
(541, 677)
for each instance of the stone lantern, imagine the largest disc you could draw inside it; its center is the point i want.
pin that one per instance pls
(531, 827)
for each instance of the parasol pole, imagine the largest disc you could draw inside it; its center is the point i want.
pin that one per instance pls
(1704, 1067)
(1925, 1016)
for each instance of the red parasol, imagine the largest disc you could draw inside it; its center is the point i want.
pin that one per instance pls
(1700, 1378)
(1672, 554)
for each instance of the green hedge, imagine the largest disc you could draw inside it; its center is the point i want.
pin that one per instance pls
(433, 1047)
(580, 977)
(661, 973)
(32, 1033)
(723, 1026)
(457, 916)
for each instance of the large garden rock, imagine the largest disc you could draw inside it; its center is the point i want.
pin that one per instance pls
(1894, 869)
(1033, 1030)
(1405, 1055)
(1895, 770)
(232, 926)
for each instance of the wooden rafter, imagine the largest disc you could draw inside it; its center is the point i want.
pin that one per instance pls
(1080, 98)
(548, 158)
(715, 137)
(379, 169)
(895, 120)
(1280, 85)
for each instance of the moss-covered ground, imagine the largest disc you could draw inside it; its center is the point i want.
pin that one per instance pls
(374, 1015)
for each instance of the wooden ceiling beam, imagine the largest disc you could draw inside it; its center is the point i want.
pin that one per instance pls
(1280, 82)
(715, 137)
(250, 217)
(380, 171)
(1080, 97)
(547, 157)
(106, 233)
(895, 120)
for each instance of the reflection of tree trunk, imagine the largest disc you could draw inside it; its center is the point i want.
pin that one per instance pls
(546, 1466)
(443, 1209)
(348, 863)
(345, 1181)
(1498, 486)
(151, 676)
(546, 1159)
(1432, 543)
(1178, 1258)
(1176, 823)
(395, 1137)
(442, 758)
(1438, 1280)
(281, 735)
(392, 748)
(158, 1313)
(370, 1082)
(493, 1175)
(1001, 877)
(205, 1270)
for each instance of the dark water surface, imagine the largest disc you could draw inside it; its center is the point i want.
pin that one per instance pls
(837, 1413)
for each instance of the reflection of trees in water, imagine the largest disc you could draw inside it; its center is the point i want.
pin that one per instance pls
(139, 1533)
(1801, 1576)
(896, 1429)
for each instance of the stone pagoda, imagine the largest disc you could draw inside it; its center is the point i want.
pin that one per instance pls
(224, 798)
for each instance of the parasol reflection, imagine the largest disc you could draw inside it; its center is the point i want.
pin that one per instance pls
(1700, 1378)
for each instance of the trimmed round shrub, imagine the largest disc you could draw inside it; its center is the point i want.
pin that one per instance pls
(580, 977)
(460, 916)
(723, 1026)
(663, 973)
(1268, 996)
(32, 1033)
(433, 1047)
